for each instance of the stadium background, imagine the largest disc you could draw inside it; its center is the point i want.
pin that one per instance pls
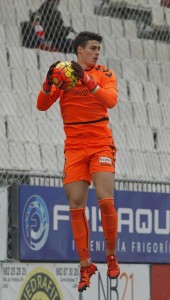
(136, 36)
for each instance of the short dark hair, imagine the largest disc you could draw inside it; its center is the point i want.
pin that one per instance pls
(83, 37)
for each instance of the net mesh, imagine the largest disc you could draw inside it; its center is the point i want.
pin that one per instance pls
(136, 37)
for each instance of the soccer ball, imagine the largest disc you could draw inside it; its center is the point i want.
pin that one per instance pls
(63, 76)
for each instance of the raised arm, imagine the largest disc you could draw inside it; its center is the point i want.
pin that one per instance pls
(107, 94)
(44, 100)
(49, 93)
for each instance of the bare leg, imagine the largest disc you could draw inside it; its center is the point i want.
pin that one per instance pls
(77, 193)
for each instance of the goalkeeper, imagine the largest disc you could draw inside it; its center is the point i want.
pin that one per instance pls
(90, 150)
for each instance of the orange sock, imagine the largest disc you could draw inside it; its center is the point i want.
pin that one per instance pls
(109, 221)
(81, 232)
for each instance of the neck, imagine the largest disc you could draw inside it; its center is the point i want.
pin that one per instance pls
(85, 66)
(88, 68)
(82, 64)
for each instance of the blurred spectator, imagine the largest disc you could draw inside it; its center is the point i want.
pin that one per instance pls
(53, 24)
(39, 30)
(165, 3)
(33, 34)
(29, 39)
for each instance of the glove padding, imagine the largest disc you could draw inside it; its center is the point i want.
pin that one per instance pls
(49, 80)
(82, 75)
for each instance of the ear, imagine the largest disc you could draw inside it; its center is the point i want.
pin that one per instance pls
(79, 49)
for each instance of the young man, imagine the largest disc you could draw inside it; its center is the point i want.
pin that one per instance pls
(89, 148)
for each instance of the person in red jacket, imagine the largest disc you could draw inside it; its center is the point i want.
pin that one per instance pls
(90, 150)
(37, 34)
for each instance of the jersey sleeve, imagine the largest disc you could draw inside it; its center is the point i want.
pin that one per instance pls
(108, 93)
(44, 101)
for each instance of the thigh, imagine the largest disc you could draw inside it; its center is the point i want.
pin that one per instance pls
(104, 184)
(77, 193)
(76, 166)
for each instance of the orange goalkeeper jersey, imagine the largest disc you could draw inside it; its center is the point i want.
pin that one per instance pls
(84, 113)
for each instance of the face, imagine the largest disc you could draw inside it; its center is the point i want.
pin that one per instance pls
(37, 21)
(89, 55)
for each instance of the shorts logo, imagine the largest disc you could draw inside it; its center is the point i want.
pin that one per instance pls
(105, 160)
(35, 222)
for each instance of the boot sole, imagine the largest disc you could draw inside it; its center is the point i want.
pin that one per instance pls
(85, 286)
(115, 277)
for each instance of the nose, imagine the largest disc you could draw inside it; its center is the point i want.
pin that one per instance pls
(98, 51)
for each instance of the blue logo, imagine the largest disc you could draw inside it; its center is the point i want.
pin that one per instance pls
(35, 222)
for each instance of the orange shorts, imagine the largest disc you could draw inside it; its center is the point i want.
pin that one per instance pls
(84, 160)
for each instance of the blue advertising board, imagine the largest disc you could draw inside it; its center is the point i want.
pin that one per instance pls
(45, 232)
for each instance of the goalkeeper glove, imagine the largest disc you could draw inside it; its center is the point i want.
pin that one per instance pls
(82, 75)
(49, 80)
